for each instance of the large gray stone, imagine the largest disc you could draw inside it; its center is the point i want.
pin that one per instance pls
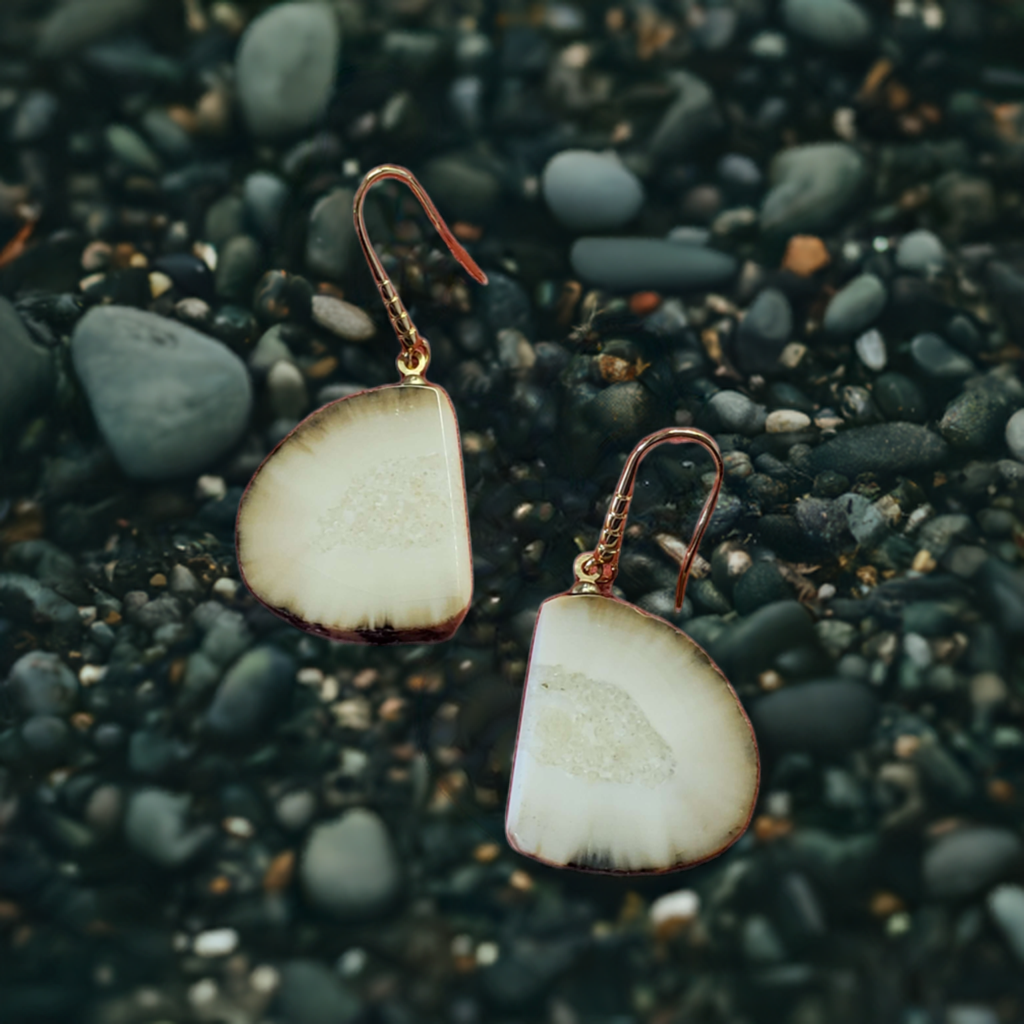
(591, 192)
(42, 684)
(168, 400)
(76, 23)
(811, 186)
(157, 827)
(855, 306)
(969, 860)
(255, 688)
(312, 994)
(26, 372)
(630, 264)
(349, 868)
(286, 66)
(691, 117)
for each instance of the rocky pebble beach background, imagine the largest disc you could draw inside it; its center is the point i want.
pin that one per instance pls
(796, 224)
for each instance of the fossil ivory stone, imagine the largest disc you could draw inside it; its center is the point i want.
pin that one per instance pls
(633, 754)
(355, 526)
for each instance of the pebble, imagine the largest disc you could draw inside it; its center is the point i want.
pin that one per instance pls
(156, 827)
(885, 449)
(285, 68)
(461, 188)
(737, 414)
(350, 869)
(168, 400)
(1015, 435)
(900, 398)
(870, 349)
(342, 318)
(238, 269)
(811, 186)
(71, 26)
(589, 191)
(28, 374)
(786, 421)
(856, 306)
(286, 389)
(216, 942)
(310, 993)
(254, 690)
(637, 264)
(265, 196)
(744, 650)
(295, 810)
(764, 332)
(760, 585)
(975, 419)
(1006, 905)
(937, 358)
(920, 252)
(270, 350)
(969, 860)
(331, 243)
(46, 736)
(42, 684)
(128, 147)
(838, 24)
(827, 718)
(689, 119)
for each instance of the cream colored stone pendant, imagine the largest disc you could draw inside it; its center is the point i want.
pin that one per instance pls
(355, 526)
(634, 753)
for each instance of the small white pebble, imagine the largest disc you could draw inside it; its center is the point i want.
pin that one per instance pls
(265, 979)
(462, 945)
(203, 992)
(870, 347)
(210, 487)
(87, 614)
(826, 592)
(682, 905)
(309, 676)
(352, 962)
(240, 827)
(89, 675)
(226, 588)
(487, 953)
(792, 355)
(218, 942)
(159, 284)
(786, 421)
(207, 253)
(917, 649)
(342, 318)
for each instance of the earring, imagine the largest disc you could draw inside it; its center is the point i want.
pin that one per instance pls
(355, 526)
(633, 753)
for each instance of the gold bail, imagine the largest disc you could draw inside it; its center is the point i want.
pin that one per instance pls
(415, 355)
(595, 571)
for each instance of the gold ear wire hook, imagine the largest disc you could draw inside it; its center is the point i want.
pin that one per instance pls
(595, 571)
(415, 356)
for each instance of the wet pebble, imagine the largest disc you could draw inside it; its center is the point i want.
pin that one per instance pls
(920, 252)
(900, 398)
(588, 191)
(168, 400)
(811, 186)
(736, 413)
(690, 118)
(1015, 435)
(310, 993)
(975, 419)
(937, 358)
(253, 691)
(969, 860)
(157, 827)
(1006, 905)
(856, 306)
(285, 68)
(331, 244)
(764, 332)
(349, 867)
(838, 24)
(632, 264)
(265, 196)
(342, 318)
(885, 449)
(28, 373)
(41, 684)
(828, 718)
(786, 421)
(870, 349)
(286, 389)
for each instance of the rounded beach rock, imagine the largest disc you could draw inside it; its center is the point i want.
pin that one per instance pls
(168, 400)
(349, 868)
(590, 192)
(631, 264)
(285, 68)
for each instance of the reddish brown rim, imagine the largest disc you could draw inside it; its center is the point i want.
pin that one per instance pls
(645, 872)
(384, 635)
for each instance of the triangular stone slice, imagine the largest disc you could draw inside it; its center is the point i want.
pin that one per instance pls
(633, 754)
(355, 526)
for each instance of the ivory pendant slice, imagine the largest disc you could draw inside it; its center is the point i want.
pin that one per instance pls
(355, 526)
(633, 754)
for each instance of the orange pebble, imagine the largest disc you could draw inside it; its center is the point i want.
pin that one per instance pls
(643, 303)
(805, 255)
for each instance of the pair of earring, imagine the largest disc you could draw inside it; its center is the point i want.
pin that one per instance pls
(633, 752)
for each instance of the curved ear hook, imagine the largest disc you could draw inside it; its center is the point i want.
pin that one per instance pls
(415, 356)
(596, 570)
